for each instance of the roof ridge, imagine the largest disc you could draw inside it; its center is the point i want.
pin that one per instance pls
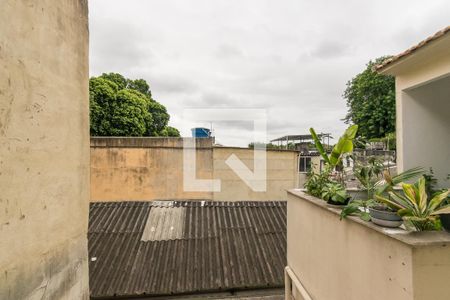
(413, 49)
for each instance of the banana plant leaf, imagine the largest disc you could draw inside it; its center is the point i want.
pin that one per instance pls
(389, 182)
(319, 145)
(344, 145)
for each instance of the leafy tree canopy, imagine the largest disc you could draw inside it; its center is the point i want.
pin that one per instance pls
(370, 100)
(170, 131)
(125, 107)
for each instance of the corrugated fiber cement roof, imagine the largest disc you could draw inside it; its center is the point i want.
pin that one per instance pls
(172, 247)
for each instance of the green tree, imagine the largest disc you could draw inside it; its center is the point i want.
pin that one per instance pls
(129, 114)
(160, 119)
(170, 131)
(125, 107)
(370, 100)
(118, 79)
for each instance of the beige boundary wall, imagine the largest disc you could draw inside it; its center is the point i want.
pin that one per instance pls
(281, 174)
(132, 169)
(44, 149)
(139, 169)
(352, 259)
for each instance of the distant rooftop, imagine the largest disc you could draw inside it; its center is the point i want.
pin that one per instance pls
(172, 248)
(300, 137)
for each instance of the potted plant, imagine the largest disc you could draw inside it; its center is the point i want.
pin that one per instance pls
(358, 208)
(321, 185)
(335, 195)
(385, 216)
(413, 205)
(317, 181)
(368, 176)
(343, 146)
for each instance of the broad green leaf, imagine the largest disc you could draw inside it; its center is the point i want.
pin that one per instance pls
(319, 146)
(388, 202)
(416, 219)
(403, 201)
(408, 175)
(437, 200)
(344, 145)
(365, 216)
(405, 212)
(408, 189)
(422, 194)
(442, 210)
(349, 210)
(347, 146)
(351, 131)
(388, 182)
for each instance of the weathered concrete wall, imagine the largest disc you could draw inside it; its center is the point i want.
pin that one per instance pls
(352, 259)
(281, 175)
(44, 149)
(144, 168)
(152, 168)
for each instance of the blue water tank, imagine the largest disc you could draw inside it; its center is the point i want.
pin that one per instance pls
(200, 132)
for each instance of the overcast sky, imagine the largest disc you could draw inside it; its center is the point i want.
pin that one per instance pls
(292, 58)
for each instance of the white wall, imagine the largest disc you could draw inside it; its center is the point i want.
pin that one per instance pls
(425, 124)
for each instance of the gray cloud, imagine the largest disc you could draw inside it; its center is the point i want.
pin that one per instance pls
(116, 45)
(213, 99)
(227, 51)
(330, 49)
(167, 83)
(290, 57)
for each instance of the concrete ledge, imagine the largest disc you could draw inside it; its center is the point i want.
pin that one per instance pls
(353, 259)
(416, 239)
(148, 142)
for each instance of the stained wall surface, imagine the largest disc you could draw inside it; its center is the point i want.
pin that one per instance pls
(44, 149)
(132, 169)
(281, 174)
(145, 169)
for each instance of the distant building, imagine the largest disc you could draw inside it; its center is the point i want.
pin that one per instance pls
(308, 159)
(301, 142)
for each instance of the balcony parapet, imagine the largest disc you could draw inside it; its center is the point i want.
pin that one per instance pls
(354, 259)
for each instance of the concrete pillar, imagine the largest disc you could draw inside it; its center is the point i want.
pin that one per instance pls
(44, 149)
